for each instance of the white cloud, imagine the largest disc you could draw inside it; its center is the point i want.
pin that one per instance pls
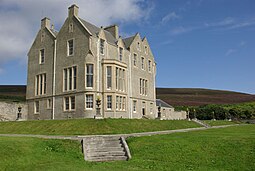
(230, 51)
(169, 17)
(182, 30)
(20, 20)
(224, 22)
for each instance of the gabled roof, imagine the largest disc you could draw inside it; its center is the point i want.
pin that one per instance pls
(128, 41)
(55, 32)
(162, 103)
(95, 30)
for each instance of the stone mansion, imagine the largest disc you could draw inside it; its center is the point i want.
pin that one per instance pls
(69, 69)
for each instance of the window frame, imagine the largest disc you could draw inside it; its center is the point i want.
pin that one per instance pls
(121, 50)
(134, 109)
(68, 47)
(70, 78)
(89, 75)
(67, 100)
(36, 107)
(102, 46)
(135, 59)
(40, 84)
(142, 63)
(89, 102)
(149, 65)
(109, 102)
(108, 77)
(40, 56)
(49, 103)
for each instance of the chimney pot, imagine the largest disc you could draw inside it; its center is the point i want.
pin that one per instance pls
(73, 10)
(45, 22)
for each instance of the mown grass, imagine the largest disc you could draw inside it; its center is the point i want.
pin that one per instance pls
(219, 122)
(92, 126)
(231, 148)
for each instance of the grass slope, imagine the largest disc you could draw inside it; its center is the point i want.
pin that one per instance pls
(231, 148)
(196, 96)
(220, 122)
(91, 126)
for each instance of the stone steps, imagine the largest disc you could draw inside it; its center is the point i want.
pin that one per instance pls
(201, 123)
(108, 158)
(105, 148)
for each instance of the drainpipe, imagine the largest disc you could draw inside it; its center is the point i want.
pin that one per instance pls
(130, 88)
(54, 79)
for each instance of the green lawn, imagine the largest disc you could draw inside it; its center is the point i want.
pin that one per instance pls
(219, 122)
(92, 126)
(231, 148)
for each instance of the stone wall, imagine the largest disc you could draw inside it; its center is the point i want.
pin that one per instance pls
(170, 114)
(9, 111)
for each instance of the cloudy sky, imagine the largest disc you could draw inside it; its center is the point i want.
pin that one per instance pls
(196, 43)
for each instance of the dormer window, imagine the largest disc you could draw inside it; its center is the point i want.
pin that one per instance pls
(70, 47)
(70, 27)
(120, 53)
(102, 46)
(41, 57)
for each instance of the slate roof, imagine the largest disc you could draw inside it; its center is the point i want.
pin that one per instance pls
(162, 103)
(95, 30)
(128, 41)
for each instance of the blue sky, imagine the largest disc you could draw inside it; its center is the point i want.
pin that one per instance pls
(196, 43)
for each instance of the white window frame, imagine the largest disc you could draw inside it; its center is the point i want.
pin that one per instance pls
(89, 103)
(68, 47)
(134, 106)
(117, 102)
(70, 78)
(67, 100)
(40, 56)
(109, 77)
(36, 107)
(151, 108)
(109, 102)
(40, 84)
(88, 74)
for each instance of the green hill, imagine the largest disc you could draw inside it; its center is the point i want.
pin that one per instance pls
(174, 96)
(198, 96)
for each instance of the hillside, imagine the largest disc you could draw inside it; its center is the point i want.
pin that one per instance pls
(174, 96)
(12, 92)
(196, 96)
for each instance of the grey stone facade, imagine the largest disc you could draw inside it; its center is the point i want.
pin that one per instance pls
(70, 68)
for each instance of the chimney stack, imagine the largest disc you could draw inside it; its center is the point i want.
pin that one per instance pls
(114, 30)
(45, 22)
(73, 11)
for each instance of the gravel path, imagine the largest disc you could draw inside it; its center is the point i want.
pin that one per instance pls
(80, 137)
